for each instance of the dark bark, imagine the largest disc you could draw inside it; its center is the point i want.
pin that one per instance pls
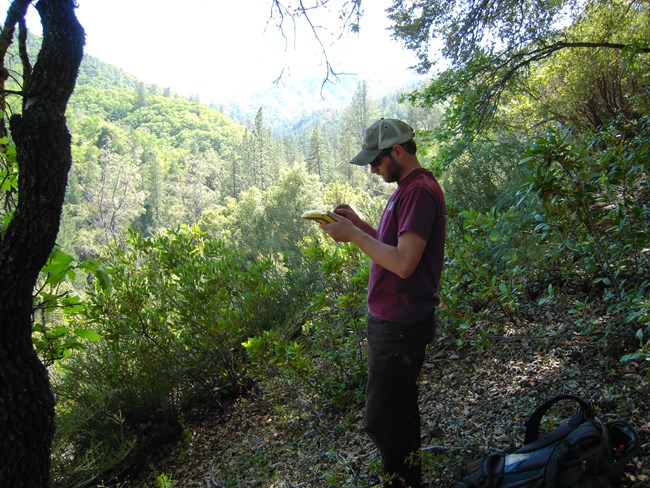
(43, 150)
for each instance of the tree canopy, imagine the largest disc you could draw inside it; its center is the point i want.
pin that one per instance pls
(491, 46)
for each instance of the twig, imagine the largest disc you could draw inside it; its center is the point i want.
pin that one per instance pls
(436, 448)
(554, 336)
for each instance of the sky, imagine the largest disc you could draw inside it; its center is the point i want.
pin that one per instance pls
(222, 49)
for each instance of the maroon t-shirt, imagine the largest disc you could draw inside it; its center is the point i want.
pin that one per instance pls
(417, 205)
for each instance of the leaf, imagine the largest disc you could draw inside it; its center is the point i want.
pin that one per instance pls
(94, 267)
(103, 278)
(634, 356)
(58, 267)
(8, 180)
(88, 334)
(72, 304)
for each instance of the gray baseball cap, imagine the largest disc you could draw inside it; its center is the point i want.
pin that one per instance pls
(381, 135)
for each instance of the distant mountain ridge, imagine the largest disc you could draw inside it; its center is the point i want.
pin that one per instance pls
(287, 104)
(291, 101)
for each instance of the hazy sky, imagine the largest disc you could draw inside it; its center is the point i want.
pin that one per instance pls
(210, 47)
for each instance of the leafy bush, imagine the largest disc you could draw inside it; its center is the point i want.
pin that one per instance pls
(595, 198)
(328, 358)
(582, 219)
(486, 260)
(56, 298)
(172, 325)
(484, 174)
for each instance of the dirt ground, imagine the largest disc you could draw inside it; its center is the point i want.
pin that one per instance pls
(471, 402)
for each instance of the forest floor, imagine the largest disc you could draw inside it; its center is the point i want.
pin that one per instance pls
(471, 401)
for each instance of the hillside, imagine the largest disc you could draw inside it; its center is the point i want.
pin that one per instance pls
(289, 104)
(471, 401)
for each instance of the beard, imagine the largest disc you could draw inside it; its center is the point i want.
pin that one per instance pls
(393, 171)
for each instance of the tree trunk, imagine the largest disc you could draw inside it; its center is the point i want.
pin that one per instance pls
(43, 150)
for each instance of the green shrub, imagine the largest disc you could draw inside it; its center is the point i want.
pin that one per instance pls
(172, 323)
(483, 276)
(595, 204)
(328, 357)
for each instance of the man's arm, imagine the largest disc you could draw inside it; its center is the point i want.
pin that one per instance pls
(401, 259)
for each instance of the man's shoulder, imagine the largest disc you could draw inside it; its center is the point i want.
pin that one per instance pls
(422, 181)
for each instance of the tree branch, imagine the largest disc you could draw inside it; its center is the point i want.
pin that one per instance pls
(349, 11)
(15, 15)
(513, 63)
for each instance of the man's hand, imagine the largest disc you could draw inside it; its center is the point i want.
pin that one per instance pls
(343, 230)
(346, 211)
(401, 259)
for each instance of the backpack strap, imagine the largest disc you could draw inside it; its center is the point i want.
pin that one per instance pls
(532, 424)
(493, 467)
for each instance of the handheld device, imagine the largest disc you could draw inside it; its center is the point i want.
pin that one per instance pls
(318, 216)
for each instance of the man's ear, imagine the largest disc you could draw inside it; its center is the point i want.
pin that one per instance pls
(398, 151)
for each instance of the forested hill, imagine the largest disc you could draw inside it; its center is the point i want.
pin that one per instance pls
(169, 160)
(98, 74)
(137, 141)
(289, 103)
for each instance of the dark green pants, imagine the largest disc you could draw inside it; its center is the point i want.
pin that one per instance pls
(392, 417)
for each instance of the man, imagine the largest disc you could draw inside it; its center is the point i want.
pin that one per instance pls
(407, 253)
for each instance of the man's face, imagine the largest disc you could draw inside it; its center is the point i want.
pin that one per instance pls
(388, 168)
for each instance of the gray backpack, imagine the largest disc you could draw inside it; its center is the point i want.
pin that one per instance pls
(581, 452)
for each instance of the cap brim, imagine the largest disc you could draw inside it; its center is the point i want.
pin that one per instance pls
(365, 156)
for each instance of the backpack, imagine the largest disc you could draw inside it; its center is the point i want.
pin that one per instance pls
(581, 452)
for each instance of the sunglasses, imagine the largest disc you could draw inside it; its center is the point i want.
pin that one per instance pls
(377, 161)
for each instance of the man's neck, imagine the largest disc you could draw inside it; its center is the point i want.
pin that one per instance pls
(408, 169)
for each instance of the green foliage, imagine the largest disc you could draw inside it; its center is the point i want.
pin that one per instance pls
(110, 105)
(158, 164)
(9, 173)
(99, 458)
(482, 175)
(56, 301)
(328, 358)
(593, 192)
(172, 324)
(611, 83)
(93, 72)
(583, 217)
(469, 27)
(164, 481)
(483, 277)
(471, 93)
(8, 182)
(643, 353)
(494, 48)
